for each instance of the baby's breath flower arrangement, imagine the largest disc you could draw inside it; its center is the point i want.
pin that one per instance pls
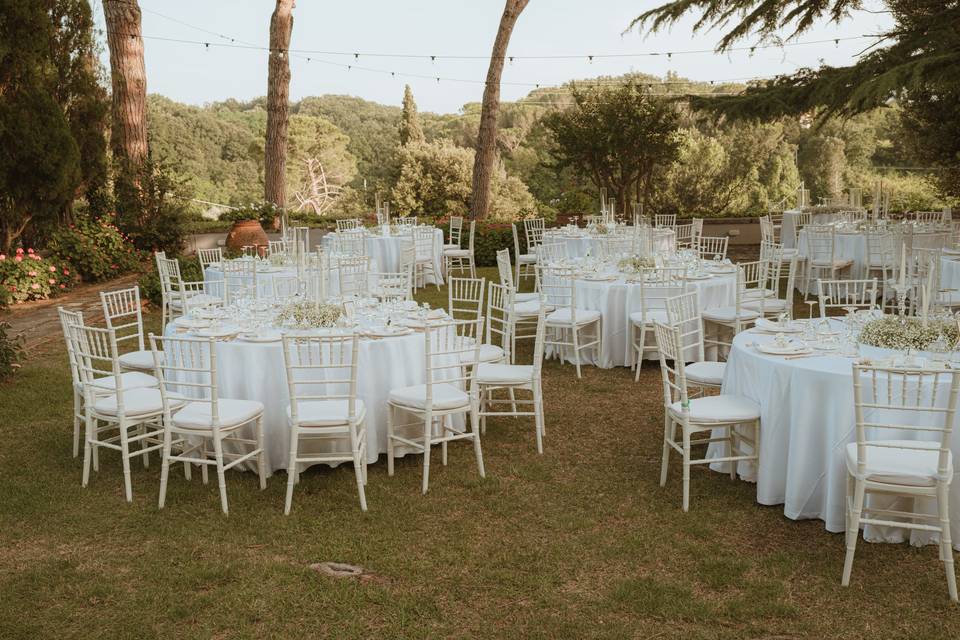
(308, 315)
(889, 332)
(634, 264)
(601, 229)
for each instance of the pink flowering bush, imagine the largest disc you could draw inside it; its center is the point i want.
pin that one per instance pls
(26, 275)
(95, 247)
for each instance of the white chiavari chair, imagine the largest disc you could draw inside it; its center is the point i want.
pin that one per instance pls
(709, 247)
(928, 217)
(697, 232)
(353, 274)
(67, 318)
(465, 298)
(194, 413)
(882, 256)
(733, 318)
(505, 271)
(525, 262)
(447, 392)
(348, 224)
(322, 382)
(846, 294)
(391, 286)
(128, 404)
(802, 220)
(656, 286)
(822, 261)
(462, 259)
(285, 287)
(616, 244)
(665, 220)
(423, 240)
(168, 271)
(534, 228)
(456, 232)
(278, 247)
(774, 306)
(499, 325)
(206, 257)
(558, 291)
(907, 404)
(684, 235)
(683, 312)
(700, 415)
(123, 313)
(239, 279)
(551, 252)
(407, 221)
(349, 243)
(491, 377)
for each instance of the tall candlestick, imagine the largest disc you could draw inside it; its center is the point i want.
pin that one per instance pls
(903, 264)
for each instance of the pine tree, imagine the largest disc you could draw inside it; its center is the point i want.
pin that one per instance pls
(410, 130)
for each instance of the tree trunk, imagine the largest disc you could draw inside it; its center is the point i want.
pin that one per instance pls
(278, 93)
(486, 156)
(129, 80)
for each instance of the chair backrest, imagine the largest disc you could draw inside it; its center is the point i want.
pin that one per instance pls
(350, 243)
(657, 285)
(278, 247)
(841, 294)
(504, 268)
(456, 229)
(393, 285)
(672, 366)
(67, 318)
(766, 229)
(408, 254)
(349, 223)
(821, 241)
(423, 239)
(124, 314)
(904, 400)
(558, 288)
(771, 262)
(708, 247)
(473, 234)
(285, 287)
(465, 298)
(551, 252)
(684, 234)
(802, 219)
(168, 270)
(447, 346)
(683, 312)
(500, 320)
(353, 273)
(239, 279)
(616, 244)
(881, 250)
(533, 227)
(697, 229)
(516, 242)
(668, 220)
(209, 256)
(96, 354)
(187, 368)
(928, 217)
(407, 221)
(321, 368)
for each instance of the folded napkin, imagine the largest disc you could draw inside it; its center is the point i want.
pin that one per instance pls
(436, 314)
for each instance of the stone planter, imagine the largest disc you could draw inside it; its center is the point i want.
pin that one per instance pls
(246, 233)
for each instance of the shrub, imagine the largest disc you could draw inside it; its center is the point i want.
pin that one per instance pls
(264, 212)
(28, 276)
(11, 352)
(150, 282)
(95, 247)
(490, 237)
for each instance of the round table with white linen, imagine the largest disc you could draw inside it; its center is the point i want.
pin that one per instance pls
(255, 371)
(850, 245)
(616, 299)
(807, 419)
(788, 226)
(581, 243)
(385, 251)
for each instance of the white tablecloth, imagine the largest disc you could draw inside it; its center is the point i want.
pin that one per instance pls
(807, 419)
(616, 300)
(788, 227)
(577, 244)
(255, 371)
(847, 246)
(385, 252)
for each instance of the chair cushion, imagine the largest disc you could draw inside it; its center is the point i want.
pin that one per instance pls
(488, 353)
(445, 396)
(457, 253)
(527, 258)
(141, 360)
(526, 297)
(837, 264)
(900, 466)
(129, 380)
(233, 413)
(653, 315)
(563, 316)
(450, 245)
(136, 402)
(729, 314)
(327, 413)
(723, 409)
(706, 372)
(756, 294)
(769, 304)
(504, 373)
(528, 308)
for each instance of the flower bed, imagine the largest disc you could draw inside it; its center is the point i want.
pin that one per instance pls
(27, 275)
(96, 248)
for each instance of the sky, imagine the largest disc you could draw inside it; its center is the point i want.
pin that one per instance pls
(196, 74)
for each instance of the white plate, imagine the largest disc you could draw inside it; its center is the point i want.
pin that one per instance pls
(260, 337)
(789, 350)
(388, 332)
(220, 332)
(191, 323)
(705, 276)
(769, 325)
(607, 278)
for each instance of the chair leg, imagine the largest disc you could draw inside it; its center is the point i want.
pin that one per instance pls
(668, 431)
(221, 477)
(538, 417)
(576, 348)
(165, 468)
(125, 460)
(946, 545)
(87, 451)
(390, 445)
(291, 469)
(733, 451)
(261, 457)
(427, 432)
(204, 474)
(474, 424)
(853, 531)
(77, 404)
(686, 467)
(638, 347)
(143, 445)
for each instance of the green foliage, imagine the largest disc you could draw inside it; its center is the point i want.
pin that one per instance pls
(11, 352)
(931, 127)
(619, 136)
(410, 129)
(149, 211)
(822, 163)
(264, 212)
(26, 276)
(150, 282)
(96, 248)
(489, 238)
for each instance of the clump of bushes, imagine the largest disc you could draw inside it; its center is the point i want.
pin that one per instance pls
(27, 275)
(96, 248)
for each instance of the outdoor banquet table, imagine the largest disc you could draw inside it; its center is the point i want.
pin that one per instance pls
(807, 419)
(616, 299)
(788, 226)
(580, 243)
(385, 250)
(255, 371)
(265, 275)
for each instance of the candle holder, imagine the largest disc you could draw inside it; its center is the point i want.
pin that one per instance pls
(901, 292)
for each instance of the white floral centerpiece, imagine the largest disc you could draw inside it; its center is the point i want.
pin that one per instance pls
(309, 315)
(601, 229)
(894, 332)
(634, 264)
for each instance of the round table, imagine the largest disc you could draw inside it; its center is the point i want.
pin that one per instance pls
(255, 371)
(847, 246)
(807, 419)
(385, 251)
(579, 243)
(617, 299)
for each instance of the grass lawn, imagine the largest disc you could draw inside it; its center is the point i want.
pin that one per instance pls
(578, 542)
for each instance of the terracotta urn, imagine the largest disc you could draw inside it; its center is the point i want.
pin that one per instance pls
(245, 233)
